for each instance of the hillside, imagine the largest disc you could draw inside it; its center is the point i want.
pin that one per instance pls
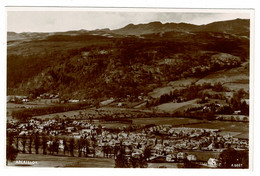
(113, 63)
(154, 27)
(238, 27)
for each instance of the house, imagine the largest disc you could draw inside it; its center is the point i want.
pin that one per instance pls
(170, 158)
(191, 157)
(210, 147)
(206, 109)
(73, 101)
(86, 130)
(213, 162)
(13, 98)
(25, 100)
(137, 152)
(181, 155)
(237, 112)
(70, 129)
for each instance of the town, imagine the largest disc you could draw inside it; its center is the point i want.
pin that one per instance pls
(156, 144)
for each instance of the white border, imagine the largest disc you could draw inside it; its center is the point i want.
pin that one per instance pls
(127, 9)
(137, 3)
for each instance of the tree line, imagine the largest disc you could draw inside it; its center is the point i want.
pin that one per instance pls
(82, 147)
(52, 145)
(26, 114)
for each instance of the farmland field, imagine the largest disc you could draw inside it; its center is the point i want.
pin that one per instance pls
(161, 165)
(237, 86)
(233, 78)
(124, 104)
(224, 126)
(70, 114)
(73, 114)
(155, 120)
(227, 127)
(64, 161)
(172, 107)
(113, 125)
(156, 93)
(165, 121)
(12, 106)
(182, 82)
(171, 86)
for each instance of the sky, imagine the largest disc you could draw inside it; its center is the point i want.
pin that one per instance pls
(51, 20)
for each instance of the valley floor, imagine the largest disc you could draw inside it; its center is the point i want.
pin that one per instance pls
(62, 161)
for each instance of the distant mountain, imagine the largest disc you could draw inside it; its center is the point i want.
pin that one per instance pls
(154, 27)
(237, 27)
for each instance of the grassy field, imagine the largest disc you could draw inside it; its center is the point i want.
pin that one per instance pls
(75, 114)
(156, 93)
(64, 161)
(70, 114)
(172, 107)
(147, 121)
(163, 165)
(238, 129)
(10, 107)
(171, 86)
(124, 104)
(182, 82)
(237, 86)
(25, 105)
(224, 126)
(123, 109)
(114, 125)
(165, 121)
(234, 79)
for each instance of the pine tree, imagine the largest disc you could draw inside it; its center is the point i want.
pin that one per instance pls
(44, 144)
(30, 144)
(36, 143)
(11, 152)
(24, 143)
(71, 146)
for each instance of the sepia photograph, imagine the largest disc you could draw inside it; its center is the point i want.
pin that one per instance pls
(128, 88)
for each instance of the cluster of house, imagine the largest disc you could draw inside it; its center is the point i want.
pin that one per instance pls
(174, 144)
(48, 96)
(15, 98)
(235, 117)
(183, 138)
(42, 98)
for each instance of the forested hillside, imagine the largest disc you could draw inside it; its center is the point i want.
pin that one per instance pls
(111, 65)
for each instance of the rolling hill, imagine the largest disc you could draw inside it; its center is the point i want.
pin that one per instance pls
(132, 60)
(238, 27)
